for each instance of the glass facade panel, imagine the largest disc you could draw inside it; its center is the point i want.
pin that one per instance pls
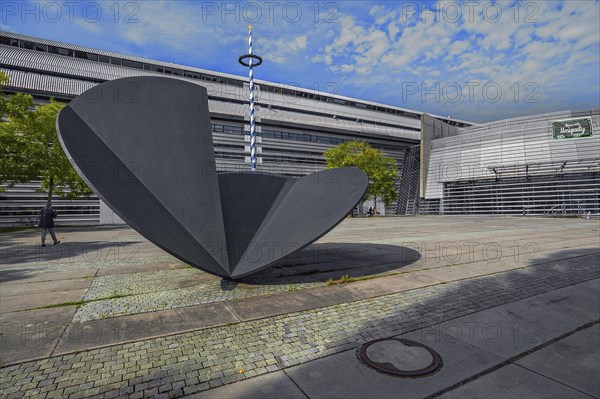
(26, 44)
(9, 42)
(86, 56)
(60, 51)
(133, 64)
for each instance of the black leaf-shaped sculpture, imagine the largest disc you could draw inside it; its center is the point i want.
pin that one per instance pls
(144, 145)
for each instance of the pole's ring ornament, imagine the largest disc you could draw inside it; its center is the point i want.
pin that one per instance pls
(255, 57)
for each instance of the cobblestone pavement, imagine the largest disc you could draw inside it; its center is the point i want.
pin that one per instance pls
(196, 361)
(122, 274)
(161, 292)
(131, 284)
(143, 292)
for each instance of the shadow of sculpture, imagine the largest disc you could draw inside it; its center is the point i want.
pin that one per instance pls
(321, 262)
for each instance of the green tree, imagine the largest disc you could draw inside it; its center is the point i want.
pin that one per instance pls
(381, 170)
(29, 147)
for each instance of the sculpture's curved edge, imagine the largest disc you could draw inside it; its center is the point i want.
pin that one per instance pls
(131, 116)
(242, 275)
(121, 215)
(60, 119)
(141, 231)
(82, 175)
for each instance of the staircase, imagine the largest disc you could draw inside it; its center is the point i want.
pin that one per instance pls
(408, 194)
(410, 207)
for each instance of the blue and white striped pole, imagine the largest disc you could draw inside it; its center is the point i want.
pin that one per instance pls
(251, 83)
(253, 62)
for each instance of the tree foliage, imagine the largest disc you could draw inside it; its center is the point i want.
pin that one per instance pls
(29, 146)
(381, 170)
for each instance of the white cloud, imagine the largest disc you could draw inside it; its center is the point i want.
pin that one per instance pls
(375, 48)
(280, 50)
(554, 46)
(458, 47)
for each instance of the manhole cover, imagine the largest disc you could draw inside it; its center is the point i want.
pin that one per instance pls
(400, 357)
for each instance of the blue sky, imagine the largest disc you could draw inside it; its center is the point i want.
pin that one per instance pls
(477, 61)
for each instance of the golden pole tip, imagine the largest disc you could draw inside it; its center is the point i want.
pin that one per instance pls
(249, 27)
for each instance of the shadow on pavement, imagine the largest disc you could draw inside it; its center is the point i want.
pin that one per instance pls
(321, 262)
(11, 235)
(71, 252)
(439, 318)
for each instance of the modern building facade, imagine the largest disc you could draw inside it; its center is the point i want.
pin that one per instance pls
(295, 125)
(545, 164)
(445, 165)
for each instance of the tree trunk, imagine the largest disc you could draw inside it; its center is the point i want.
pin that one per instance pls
(374, 206)
(50, 189)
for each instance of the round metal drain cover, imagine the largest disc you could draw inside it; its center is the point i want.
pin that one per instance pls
(400, 357)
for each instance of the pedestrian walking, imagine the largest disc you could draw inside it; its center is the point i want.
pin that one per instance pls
(47, 215)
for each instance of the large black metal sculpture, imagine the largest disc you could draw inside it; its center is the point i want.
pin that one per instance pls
(144, 145)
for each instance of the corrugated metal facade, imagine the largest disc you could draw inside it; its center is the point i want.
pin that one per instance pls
(515, 166)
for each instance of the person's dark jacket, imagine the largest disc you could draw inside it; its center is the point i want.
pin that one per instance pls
(47, 216)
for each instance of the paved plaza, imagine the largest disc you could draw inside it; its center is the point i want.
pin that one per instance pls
(511, 304)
